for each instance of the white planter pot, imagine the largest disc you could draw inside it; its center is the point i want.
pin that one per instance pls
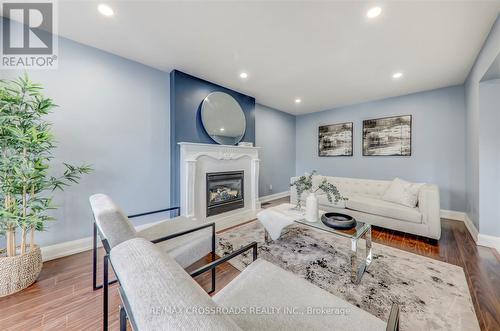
(312, 212)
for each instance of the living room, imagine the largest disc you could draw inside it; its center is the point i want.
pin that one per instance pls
(250, 165)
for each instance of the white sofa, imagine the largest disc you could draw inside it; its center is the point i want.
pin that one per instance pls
(365, 204)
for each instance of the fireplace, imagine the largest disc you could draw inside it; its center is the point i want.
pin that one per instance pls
(225, 192)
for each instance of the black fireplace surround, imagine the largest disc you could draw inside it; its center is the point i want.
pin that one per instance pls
(225, 192)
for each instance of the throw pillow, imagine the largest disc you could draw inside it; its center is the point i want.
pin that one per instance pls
(402, 192)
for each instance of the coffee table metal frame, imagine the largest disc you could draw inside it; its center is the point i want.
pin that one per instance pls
(362, 231)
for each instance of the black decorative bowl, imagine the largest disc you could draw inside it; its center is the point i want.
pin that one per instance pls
(338, 221)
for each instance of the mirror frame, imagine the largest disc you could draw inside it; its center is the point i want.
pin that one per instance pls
(204, 104)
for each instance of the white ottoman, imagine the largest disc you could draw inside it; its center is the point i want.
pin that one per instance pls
(275, 219)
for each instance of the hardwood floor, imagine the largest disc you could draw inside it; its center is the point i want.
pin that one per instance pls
(63, 298)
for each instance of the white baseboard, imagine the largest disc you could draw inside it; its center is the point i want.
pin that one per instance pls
(66, 248)
(452, 215)
(479, 238)
(274, 196)
(462, 217)
(76, 246)
(489, 241)
(471, 227)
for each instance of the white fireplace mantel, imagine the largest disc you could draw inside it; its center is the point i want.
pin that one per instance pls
(196, 160)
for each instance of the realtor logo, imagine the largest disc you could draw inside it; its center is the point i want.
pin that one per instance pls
(28, 35)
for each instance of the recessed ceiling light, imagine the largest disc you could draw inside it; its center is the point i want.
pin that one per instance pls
(397, 75)
(105, 10)
(298, 101)
(374, 12)
(243, 75)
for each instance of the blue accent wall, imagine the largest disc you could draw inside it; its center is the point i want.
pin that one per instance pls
(186, 95)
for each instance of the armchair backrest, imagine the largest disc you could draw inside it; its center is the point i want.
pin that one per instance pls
(160, 295)
(112, 223)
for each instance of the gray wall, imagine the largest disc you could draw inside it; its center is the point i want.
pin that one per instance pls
(438, 153)
(485, 58)
(113, 114)
(275, 133)
(472, 151)
(489, 151)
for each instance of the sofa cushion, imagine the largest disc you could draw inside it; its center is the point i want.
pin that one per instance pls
(383, 208)
(265, 286)
(162, 296)
(348, 186)
(323, 201)
(402, 192)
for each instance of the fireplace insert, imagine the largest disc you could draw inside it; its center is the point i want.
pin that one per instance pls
(225, 192)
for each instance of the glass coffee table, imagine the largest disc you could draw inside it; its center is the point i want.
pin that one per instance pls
(362, 231)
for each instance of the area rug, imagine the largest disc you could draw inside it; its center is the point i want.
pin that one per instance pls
(432, 295)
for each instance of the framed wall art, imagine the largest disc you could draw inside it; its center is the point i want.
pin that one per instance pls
(335, 140)
(388, 136)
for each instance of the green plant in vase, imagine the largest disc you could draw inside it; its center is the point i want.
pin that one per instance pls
(331, 191)
(26, 147)
(304, 184)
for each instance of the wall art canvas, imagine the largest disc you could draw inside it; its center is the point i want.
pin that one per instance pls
(387, 136)
(335, 140)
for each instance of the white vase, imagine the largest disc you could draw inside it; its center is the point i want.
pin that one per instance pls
(312, 212)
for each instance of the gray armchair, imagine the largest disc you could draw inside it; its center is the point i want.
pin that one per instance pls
(157, 294)
(183, 239)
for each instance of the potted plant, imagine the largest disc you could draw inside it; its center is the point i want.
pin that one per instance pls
(304, 184)
(26, 186)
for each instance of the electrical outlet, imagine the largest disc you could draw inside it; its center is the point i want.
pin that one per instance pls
(270, 187)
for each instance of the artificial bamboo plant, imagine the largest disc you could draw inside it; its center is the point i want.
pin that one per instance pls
(26, 145)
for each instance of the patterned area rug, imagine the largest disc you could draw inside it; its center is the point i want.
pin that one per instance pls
(432, 295)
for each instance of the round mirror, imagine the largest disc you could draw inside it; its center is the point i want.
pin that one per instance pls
(223, 118)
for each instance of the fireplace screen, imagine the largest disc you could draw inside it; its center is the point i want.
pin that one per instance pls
(224, 192)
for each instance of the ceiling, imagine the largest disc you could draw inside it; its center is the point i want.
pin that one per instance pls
(328, 54)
